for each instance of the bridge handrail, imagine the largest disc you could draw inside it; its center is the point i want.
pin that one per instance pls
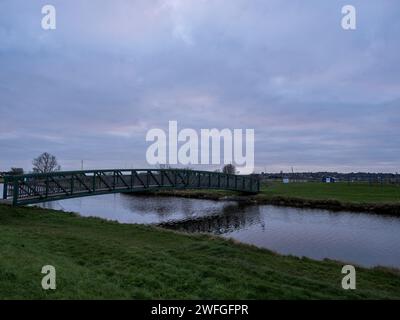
(61, 173)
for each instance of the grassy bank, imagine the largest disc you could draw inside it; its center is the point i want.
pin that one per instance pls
(343, 192)
(99, 259)
(357, 197)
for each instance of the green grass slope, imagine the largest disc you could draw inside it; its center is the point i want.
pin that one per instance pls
(344, 192)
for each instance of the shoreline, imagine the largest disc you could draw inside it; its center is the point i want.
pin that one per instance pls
(392, 209)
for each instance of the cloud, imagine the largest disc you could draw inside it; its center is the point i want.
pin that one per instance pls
(316, 95)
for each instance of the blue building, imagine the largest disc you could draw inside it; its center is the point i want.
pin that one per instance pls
(329, 179)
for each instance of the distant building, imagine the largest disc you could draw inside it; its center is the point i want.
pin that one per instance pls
(285, 180)
(329, 179)
(355, 177)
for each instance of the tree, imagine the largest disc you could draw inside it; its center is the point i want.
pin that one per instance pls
(229, 169)
(16, 171)
(45, 163)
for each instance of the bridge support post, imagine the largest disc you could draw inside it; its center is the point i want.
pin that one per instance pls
(15, 192)
(94, 182)
(5, 187)
(199, 180)
(72, 184)
(175, 178)
(47, 186)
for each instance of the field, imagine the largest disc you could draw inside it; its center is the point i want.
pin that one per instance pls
(344, 192)
(99, 259)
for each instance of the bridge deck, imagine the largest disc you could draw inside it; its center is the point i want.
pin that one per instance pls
(42, 187)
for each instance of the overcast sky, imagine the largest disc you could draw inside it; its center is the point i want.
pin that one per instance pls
(318, 97)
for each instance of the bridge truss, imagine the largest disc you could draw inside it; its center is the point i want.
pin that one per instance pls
(43, 187)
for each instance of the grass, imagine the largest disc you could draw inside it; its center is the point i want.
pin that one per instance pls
(356, 193)
(344, 192)
(95, 258)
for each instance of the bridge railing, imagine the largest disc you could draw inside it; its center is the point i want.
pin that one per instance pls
(41, 187)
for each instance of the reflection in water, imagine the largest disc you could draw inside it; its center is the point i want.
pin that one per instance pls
(232, 217)
(168, 209)
(356, 238)
(128, 208)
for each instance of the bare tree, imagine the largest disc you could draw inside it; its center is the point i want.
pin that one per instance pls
(16, 171)
(46, 162)
(229, 169)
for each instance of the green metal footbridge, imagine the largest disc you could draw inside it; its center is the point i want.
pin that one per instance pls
(43, 187)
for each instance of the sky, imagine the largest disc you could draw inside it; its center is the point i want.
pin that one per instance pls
(318, 97)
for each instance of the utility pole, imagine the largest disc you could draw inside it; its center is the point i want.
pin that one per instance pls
(81, 164)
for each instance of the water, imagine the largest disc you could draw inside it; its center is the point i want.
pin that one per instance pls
(363, 239)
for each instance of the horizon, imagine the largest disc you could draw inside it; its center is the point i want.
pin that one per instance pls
(182, 168)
